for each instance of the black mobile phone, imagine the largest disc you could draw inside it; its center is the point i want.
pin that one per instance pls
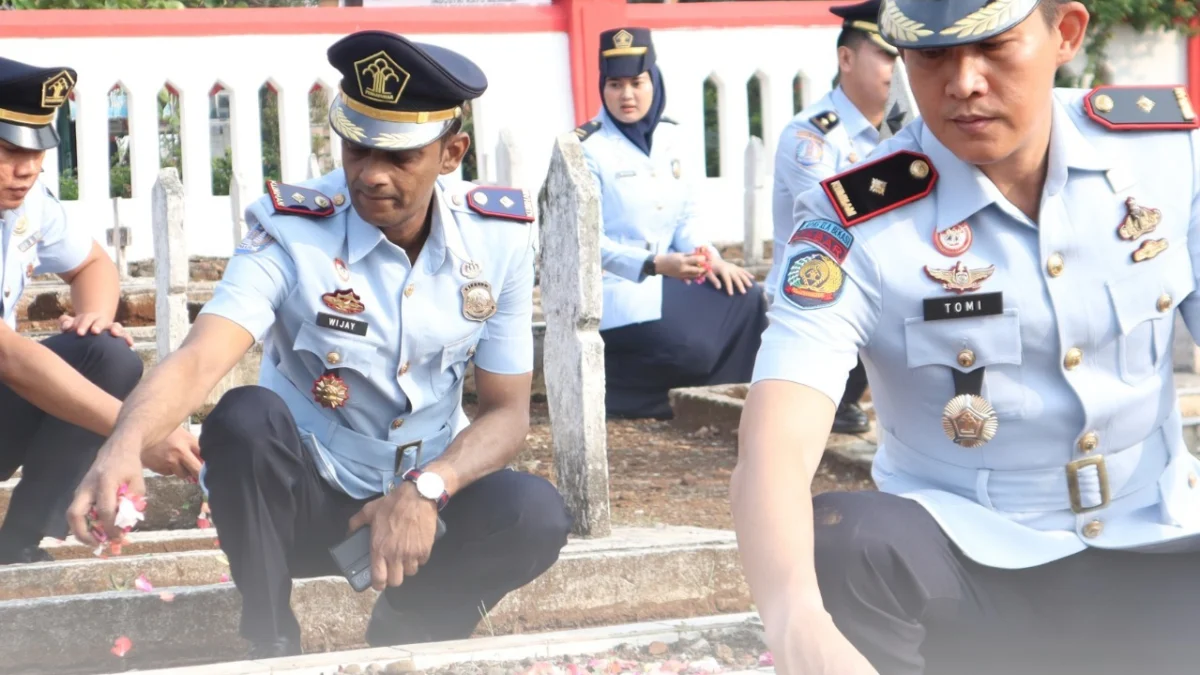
(353, 556)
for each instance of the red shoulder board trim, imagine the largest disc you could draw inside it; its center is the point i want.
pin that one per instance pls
(1141, 108)
(877, 187)
(298, 200)
(499, 202)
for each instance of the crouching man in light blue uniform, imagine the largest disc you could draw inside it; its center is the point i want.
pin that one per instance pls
(1012, 265)
(372, 288)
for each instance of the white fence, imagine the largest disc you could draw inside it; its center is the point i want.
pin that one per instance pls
(529, 98)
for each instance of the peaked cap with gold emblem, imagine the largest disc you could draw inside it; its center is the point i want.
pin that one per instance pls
(29, 101)
(931, 24)
(862, 17)
(396, 94)
(626, 52)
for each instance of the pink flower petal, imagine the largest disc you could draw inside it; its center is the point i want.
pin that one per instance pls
(766, 659)
(224, 578)
(121, 646)
(143, 584)
(167, 597)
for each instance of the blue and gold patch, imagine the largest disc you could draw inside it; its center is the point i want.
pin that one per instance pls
(810, 148)
(813, 280)
(826, 235)
(300, 201)
(255, 240)
(499, 202)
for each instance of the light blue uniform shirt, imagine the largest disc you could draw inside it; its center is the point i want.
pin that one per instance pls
(38, 239)
(404, 375)
(646, 208)
(806, 155)
(1068, 283)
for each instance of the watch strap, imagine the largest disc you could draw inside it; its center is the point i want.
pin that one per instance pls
(413, 474)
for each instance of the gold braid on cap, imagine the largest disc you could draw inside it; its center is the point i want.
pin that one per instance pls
(983, 19)
(895, 23)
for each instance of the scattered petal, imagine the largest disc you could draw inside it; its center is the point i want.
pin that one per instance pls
(121, 646)
(143, 584)
(766, 659)
(167, 597)
(203, 523)
(224, 578)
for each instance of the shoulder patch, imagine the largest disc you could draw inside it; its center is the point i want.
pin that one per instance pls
(587, 129)
(256, 239)
(501, 202)
(1138, 108)
(300, 201)
(880, 186)
(826, 121)
(812, 279)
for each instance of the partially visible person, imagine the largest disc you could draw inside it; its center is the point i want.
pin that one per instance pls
(829, 136)
(59, 397)
(675, 313)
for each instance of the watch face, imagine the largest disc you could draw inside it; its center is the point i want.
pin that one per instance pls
(430, 485)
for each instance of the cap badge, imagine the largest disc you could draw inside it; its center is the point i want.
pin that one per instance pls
(380, 78)
(623, 39)
(56, 89)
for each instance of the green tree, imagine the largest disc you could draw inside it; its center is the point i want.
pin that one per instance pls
(1141, 16)
(268, 103)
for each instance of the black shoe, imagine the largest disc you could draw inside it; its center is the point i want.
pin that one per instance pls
(274, 649)
(850, 419)
(28, 554)
(389, 628)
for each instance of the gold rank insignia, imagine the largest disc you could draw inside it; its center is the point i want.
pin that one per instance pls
(1142, 108)
(1140, 220)
(960, 278)
(874, 188)
(331, 391)
(300, 200)
(1149, 249)
(826, 121)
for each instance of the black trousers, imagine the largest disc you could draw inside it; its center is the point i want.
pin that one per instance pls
(53, 455)
(276, 519)
(912, 603)
(856, 384)
(704, 337)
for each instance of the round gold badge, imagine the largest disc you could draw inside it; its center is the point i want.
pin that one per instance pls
(478, 304)
(969, 420)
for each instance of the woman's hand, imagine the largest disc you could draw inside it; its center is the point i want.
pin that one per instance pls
(680, 266)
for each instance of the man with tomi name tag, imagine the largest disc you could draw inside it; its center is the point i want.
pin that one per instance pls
(373, 288)
(1008, 266)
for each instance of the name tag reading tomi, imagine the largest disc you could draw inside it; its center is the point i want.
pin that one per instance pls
(962, 307)
(341, 323)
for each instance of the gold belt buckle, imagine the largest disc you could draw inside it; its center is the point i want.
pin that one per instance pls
(401, 449)
(1073, 483)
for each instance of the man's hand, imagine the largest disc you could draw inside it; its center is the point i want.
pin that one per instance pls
(680, 266)
(403, 528)
(814, 646)
(177, 455)
(729, 276)
(113, 468)
(93, 323)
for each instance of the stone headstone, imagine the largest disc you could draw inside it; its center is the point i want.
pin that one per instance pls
(238, 199)
(573, 356)
(171, 263)
(508, 160)
(757, 204)
(900, 108)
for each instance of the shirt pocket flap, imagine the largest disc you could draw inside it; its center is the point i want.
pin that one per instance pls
(1136, 296)
(460, 351)
(992, 340)
(336, 349)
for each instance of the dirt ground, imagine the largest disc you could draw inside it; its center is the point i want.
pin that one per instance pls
(659, 474)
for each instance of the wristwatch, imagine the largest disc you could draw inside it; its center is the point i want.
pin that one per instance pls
(648, 268)
(429, 485)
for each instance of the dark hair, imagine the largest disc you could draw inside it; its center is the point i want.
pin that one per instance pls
(452, 130)
(851, 37)
(1049, 9)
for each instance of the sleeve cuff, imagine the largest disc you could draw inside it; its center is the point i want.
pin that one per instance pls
(826, 372)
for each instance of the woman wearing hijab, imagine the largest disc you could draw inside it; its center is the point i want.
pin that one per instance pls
(675, 314)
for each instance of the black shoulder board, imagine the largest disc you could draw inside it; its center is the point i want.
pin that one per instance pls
(587, 129)
(880, 186)
(299, 200)
(826, 121)
(1137, 108)
(501, 202)
(668, 120)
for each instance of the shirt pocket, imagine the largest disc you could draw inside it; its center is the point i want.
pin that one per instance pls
(992, 342)
(1144, 302)
(330, 349)
(452, 366)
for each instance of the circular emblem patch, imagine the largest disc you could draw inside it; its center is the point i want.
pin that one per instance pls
(813, 280)
(953, 241)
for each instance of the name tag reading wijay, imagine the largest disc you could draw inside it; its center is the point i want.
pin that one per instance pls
(962, 307)
(343, 324)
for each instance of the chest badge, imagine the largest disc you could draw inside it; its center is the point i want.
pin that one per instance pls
(470, 269)
(478, 304)
(21, 226)
(1140, 220)
(969, 420)
(342, 270)
(676, 168)
(960, 278)
(953, 241)
(344, 301)
(1149, 249)
(331, 391)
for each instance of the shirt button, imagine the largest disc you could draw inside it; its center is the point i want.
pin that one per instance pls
(404, 367)
(409, 291)
(1074, 358)
(966, 358)
(1054, 265)
(7, 291)
(333, 357)
(1193, 480)
(397, 423)
(1093, 529)
(457, 199)
(471, 352)
(1164, 302)
(1089, 442)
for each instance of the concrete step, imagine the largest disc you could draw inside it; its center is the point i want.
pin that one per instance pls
(636, 574)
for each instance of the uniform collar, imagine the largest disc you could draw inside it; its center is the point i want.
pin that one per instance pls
(852, 119)
(963, 190)
(362, 237)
